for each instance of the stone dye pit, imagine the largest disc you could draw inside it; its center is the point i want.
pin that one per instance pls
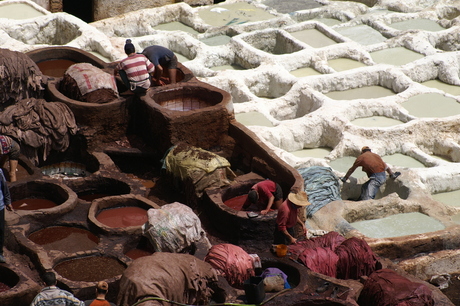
(401, 50)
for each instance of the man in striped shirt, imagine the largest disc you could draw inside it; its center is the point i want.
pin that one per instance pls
(51, 295)
(135, 70)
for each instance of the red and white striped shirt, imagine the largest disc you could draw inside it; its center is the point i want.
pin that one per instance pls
(137, 68)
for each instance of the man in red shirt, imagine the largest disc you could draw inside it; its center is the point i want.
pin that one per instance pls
(135, 70)
(288, 217)
(375, 168)
(101, 291)
(266, 194)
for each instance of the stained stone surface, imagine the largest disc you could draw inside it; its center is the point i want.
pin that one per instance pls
(302, 115)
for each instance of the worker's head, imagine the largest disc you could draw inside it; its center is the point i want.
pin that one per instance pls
(129, 47)
(253, 196)
(365, 149)
(102, 287)
(299, 199)
(49, 278)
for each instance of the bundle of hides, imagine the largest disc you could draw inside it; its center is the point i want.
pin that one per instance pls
(335, 256)
(321, 186)
(356, 259)
(385, 287)
(181, 278)
(20, 77)
(173, 228)
(40, 126)
(274, 280)
(203, 168)
(232, 262)
(87, 83)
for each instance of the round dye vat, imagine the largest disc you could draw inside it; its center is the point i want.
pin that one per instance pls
(55, 68)
(33, 204)
(123, 216)
(65, 238)
(92, 196)
(90, 269)
(236, 203)
(4, 287)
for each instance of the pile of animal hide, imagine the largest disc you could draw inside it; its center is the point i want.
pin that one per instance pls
(87, 83)
(20, 77)
(40, 127)
(181, 278)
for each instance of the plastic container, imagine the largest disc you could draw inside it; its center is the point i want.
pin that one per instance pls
(254, 289)
(281, 250)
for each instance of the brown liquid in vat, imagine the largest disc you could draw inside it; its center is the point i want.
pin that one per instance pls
(123, 216)
(65, 238)
(237, 202)
(90, 269)
(136, 253)
(33, 204)
(55, 68)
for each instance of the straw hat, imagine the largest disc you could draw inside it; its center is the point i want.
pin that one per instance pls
(299, 199)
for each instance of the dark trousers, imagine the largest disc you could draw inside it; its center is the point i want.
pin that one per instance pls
(2, 229)
(124, 78)
(280, 238)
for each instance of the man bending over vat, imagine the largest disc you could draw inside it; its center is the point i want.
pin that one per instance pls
(52, 295)
(135, 70)
(375, 168)
(266, 193)
(5, 203)
(288, 217)
(162, 58)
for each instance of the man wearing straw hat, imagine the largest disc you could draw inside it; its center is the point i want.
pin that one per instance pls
(288, 217)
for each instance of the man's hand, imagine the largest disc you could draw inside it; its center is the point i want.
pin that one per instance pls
(9, 207)
(395, 175)
(343, 179)
(264, 212)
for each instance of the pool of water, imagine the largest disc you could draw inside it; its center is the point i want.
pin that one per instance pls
(253, 118)
(402, 160)
(432, 105)
(90, 269)
(366, 92)
(343, 64)
(123, 216)
(376, 121)
(315, 152)
(19, 11)
(447, 88)
(451, 198)
(342, 164)
(314, 38)
(233, 14)
(363, 34)
(417, 24)
(33, 204)
(216, 40)
(398, 225)
(176, 26)
(395, 56)
(65, 238)
(305, 71)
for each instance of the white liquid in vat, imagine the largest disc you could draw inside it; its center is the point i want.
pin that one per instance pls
(305, 71)
(395, 56)
(376, 121)
(366, 92)
(315, 152)
(253, 118)
(176, 26)
(398, 225)
(451, 198)
(432, 105)
(314, 38)
(447, 88)
(342, 164)
(402, 160)
(19, 11)
(233, 14)
(363, 34)
(417, 24)
(342, 64)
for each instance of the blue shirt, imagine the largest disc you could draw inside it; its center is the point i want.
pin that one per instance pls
(5, 198)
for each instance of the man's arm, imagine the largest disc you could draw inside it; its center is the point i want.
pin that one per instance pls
(271, 200)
